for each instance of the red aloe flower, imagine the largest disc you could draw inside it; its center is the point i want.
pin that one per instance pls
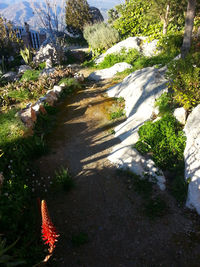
(49, 233)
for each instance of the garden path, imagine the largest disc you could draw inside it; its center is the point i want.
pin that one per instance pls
(103, 206)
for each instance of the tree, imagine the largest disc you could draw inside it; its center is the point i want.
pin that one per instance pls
(77, 15)
(189, 22)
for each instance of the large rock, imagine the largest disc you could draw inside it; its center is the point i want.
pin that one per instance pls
(109, 72)
(192, 159)
(49, 52)
(149, 48)
(23, 68)
(180, 114)
(140, 90)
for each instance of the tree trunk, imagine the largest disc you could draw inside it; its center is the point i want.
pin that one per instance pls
(166, 20)
(189, 22)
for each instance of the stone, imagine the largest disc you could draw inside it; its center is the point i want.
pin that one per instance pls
(51, 98)
(49, 63)
(192, 159)
(79, 77)
(129, 43)
(57, 89)
(46, 72)
(109, 72)
(149, 49)
(51, 52)
(140, 90)
(23, 68)
(10, 76)
(28, 117)
(180, 114)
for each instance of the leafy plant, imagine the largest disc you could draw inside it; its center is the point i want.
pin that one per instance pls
(63, 180)
(165, 103)
(165, 140)
(117, 114)
(185, 80)
(26, 55)
(100, 37)
(30, 75)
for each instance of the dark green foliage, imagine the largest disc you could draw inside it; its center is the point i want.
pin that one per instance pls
(179, 187)
(165, 140)
(30, 75)
(185, 80)
(171, 43)
(80, 239)
(77, 15)
(20, 95)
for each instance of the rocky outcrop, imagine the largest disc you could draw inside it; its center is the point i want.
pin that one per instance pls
(192, 159)
(10, 76)
(23, 68)
(109, 72)
(95, 14)
(180, 114)
(140, 90)
(147, 48)
(50, 53)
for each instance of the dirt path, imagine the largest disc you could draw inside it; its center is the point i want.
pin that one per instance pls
(103, 207)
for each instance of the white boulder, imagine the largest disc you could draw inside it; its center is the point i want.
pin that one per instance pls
(180, 114)
(149, 48)
(23, 68)
(192, 159)
(109, 72)
(140, 90)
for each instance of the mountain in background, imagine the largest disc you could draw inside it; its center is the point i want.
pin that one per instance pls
(20, 11)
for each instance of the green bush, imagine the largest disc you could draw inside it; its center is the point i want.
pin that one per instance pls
(30, 75)
(171, 43)
(185, 80)
(165, 140)
(100, 37)
(165, 103)
(129, 56)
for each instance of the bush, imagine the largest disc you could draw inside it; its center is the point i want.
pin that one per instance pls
(165, 140)
(129, 56)
(185, 80)
(100, 37)
(30, 75)
(171, 43)
(165, 103)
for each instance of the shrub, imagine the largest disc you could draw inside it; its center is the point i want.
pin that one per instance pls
(165, 140)
(185, 80)
(129, 56)
(171, 43)
(30, 75)
(100, 36)
(165, 103)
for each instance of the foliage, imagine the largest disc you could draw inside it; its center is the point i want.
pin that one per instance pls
(9, 43)
(77, 15)
(185, 80)
(63, 180)
(6, 259)
(26, 55)
(165, 103)
(100, 36)
(171, 43)
(165, 140)
(117, 114)
(30, 75)
(132, 20)
(129, 56)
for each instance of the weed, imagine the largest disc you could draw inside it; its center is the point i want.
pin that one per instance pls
(63, 180)
(117, 114)
(21, 95)
(30, 75)
(155, 207)
(165, 103)
(80, 239)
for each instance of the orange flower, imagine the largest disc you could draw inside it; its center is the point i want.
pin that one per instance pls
(49, 233)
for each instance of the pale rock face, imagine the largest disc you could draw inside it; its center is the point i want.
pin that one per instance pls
(149, 49)
(140, 90)
(109, 72)
(180, 115)
(192, 159)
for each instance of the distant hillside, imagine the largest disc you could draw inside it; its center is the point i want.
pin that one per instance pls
(22, 11)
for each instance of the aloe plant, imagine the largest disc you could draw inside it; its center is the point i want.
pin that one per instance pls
(26, 55)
